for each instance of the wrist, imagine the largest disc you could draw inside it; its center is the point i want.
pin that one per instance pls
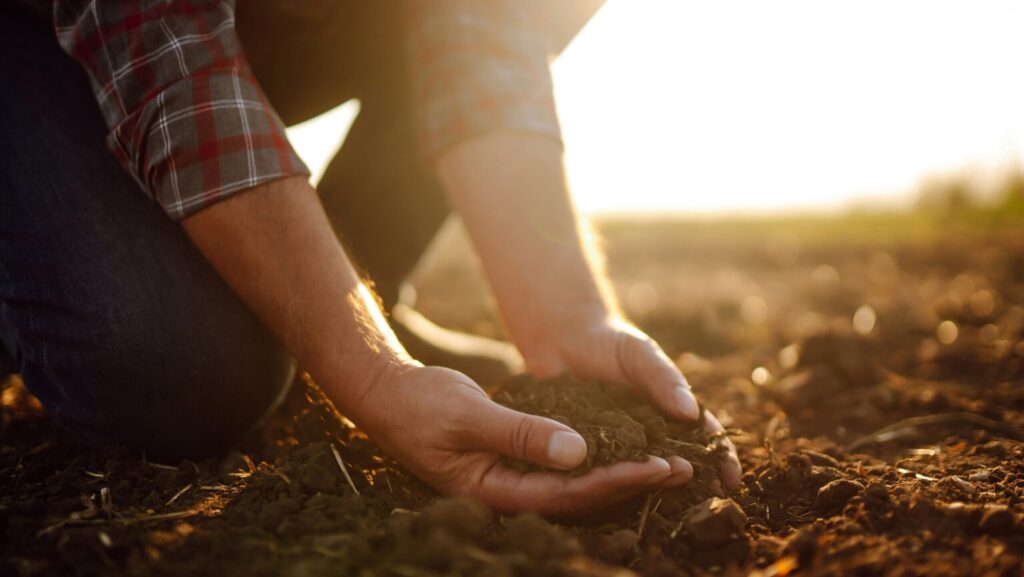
(349, 388)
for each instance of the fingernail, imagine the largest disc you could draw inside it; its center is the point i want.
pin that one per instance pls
(731, 472)
(681, 467)
(566, 449)
(664, 469)
(682, 472)
(686, 402)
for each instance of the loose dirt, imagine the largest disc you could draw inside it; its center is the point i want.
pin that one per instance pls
(889, 449)
(616, 425)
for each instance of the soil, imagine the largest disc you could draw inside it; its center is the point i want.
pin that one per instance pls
(616, 425)
(885, 448)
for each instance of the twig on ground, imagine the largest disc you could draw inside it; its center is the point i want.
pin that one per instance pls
(883, 434)
(344, 471)
(280, 474)
(643, 515)
(178, 494)
(106, 502)
(679, 527)
(122, 520)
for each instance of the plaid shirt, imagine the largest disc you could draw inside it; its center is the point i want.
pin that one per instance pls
(188, 120)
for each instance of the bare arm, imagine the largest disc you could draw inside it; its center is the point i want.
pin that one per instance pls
(511, 191)
(274, 247)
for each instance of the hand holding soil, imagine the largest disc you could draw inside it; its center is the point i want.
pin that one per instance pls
(619, 427)
(443, 427)
(611, 350)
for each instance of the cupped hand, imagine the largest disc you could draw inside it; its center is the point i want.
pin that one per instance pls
(443, 427)
(608, 348)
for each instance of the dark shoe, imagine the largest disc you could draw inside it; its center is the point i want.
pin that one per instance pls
(486, 361)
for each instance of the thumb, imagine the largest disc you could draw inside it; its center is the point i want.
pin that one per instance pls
(538, 440)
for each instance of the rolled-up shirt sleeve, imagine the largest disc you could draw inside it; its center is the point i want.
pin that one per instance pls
(186, 116)
(479, 67)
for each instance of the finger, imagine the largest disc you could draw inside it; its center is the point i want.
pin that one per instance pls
(545, 366)
(550, 493)
(682, 472)
(647, 368)
(731, 470)
(538, 440)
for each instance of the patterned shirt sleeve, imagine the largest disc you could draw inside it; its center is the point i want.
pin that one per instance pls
(186, 116)
(479, 67)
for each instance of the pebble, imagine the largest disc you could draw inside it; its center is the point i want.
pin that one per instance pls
(714, 521)
(956, 482)
(837, 493)
(980, 476)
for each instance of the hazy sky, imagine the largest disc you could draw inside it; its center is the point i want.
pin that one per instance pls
(711, 107)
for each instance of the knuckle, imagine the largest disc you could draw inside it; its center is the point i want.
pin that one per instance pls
(627, 353)
(518, 436)
(464, 408)
(642, 361)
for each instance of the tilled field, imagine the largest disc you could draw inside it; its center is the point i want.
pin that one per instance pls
(873, 383)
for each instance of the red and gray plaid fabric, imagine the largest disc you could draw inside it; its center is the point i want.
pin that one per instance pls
(479, 67)
(190, 123)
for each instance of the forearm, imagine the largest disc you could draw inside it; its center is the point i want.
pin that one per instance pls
(274, 247)
(511, 192)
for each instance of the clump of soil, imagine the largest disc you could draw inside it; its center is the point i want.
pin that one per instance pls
(616, 425)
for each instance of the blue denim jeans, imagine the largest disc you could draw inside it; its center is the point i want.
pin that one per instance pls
(113, 318)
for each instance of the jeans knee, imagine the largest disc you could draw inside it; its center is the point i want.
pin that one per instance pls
(171, 386)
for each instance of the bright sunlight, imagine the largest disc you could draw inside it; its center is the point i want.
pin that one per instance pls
(746, 106)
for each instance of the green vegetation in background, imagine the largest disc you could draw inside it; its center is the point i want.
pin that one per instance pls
(944, 205)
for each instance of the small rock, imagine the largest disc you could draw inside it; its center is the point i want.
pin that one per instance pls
(956, 483)
(996, 519)
(714, 521)
(979, 476)
(836, 493)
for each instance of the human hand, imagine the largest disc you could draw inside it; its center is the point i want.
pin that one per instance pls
(443, 427)
(606, 347)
